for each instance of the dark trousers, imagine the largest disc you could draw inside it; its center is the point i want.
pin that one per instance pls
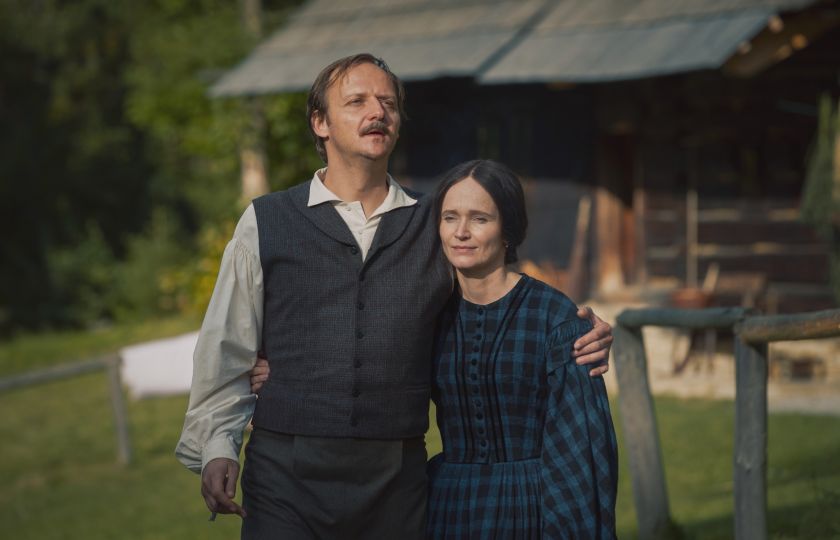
(296, 487)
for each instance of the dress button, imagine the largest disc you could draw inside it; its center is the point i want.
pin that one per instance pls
(479, 416)
(482, 454)
(483, 443)
(360, 334)
(478, 324)
(360, 305)
(473, 376)
(356, 393)
(474, 361)
(480, 431)
(477, 403)
(481, 311)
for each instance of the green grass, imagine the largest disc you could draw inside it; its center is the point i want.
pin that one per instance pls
(60, 479)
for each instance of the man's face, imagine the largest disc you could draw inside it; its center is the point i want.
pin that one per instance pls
(362, 118)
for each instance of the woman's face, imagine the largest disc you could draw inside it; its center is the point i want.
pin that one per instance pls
(471, 229)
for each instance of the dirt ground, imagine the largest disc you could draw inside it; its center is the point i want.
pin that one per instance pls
(804, 375)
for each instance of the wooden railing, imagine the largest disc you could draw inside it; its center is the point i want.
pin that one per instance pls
(110, 364)
(752, 334)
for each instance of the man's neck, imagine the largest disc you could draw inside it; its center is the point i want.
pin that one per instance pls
(366, 182)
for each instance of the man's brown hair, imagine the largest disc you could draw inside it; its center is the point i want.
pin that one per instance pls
(316, 103)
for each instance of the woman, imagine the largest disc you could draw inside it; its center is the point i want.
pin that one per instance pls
(529, 449)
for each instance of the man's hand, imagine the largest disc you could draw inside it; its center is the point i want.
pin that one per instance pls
(259, 373)
(218, 486)
(594, 346)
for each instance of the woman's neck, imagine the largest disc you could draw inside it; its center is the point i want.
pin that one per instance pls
(486, 288)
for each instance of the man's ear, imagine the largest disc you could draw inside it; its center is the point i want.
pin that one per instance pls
(319, 124)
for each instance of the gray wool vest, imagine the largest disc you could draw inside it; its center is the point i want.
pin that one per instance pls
(349, 342)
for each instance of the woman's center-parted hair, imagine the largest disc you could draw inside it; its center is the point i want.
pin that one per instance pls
(316, 103)
(504, 188)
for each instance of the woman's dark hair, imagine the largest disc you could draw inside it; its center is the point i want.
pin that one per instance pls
(504, 188)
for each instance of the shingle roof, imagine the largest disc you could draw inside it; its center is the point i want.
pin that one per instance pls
(504, 40)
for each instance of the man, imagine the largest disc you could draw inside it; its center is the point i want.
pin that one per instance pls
(339, 281)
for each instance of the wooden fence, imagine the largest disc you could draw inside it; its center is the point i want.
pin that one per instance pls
(752, 334)
(110, 364)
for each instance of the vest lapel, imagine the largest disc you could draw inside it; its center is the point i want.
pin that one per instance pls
(391, 227)
(323, 216)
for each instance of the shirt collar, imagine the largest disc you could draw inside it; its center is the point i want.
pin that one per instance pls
(396, 198)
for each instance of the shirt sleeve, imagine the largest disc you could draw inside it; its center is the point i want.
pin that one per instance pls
(579, 474)
(221, 402)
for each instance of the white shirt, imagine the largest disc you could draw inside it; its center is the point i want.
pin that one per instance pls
(221, 402)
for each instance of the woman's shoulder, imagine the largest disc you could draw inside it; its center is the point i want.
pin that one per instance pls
(557, 305)
(562, 325)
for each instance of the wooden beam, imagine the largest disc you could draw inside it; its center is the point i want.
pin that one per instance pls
(815, 325)
(640, 434)
(719, 318)
(119, 410)
(770, 46)
(750, 453)
(64, 371)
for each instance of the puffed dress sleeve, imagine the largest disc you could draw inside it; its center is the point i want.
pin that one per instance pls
(579, 469)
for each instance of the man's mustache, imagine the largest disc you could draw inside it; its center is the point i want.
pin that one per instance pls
(375, 126)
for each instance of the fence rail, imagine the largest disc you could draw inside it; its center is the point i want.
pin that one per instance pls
(111, 365)
(752, 335)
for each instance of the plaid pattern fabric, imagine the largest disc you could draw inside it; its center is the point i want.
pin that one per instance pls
(529, 449)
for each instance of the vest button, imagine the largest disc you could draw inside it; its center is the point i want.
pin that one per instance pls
(360, 334)
(356, 393)
(354, 250)
(360, 305)
(357, 364)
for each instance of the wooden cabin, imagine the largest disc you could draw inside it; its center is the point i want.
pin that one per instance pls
(683, 124)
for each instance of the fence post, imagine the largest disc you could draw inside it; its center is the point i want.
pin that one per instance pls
(750, 456)
(118, 405)
(640, 434)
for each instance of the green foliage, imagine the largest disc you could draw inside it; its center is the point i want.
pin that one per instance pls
(81, 278)
(115, 164)
(821, 192)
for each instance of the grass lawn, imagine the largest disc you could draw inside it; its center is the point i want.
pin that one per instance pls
(60, 480)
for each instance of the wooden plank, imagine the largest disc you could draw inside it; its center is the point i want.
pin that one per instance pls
(816, 325)
(63, 371)
(119, 410)
(640, 434)
(750, 454)
(719, 318)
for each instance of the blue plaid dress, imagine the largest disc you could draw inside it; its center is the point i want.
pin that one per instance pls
(529, 449)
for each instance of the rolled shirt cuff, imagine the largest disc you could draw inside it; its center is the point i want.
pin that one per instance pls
(222, 447)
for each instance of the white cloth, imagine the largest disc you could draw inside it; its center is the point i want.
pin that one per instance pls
(221, 403)
(158, 368)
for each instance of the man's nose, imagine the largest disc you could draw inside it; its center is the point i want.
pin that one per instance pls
(376, 110)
